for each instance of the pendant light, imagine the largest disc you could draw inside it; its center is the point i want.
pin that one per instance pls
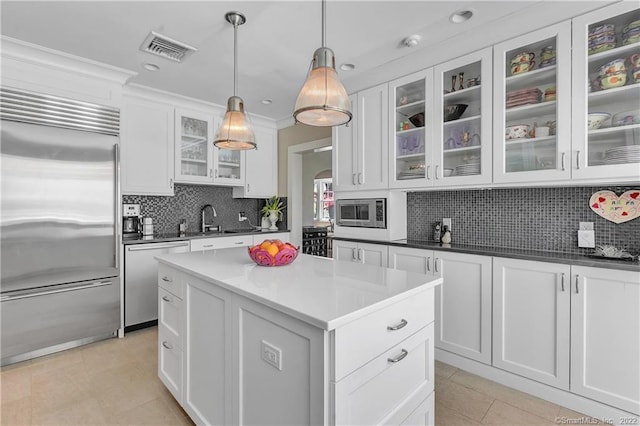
(235, 132)
(323, 101)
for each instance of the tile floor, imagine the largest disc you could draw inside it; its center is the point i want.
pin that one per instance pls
(115, 382)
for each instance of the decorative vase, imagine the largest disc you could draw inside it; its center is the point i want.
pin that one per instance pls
(273, 218)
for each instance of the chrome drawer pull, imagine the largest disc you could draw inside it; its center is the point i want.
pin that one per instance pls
(238, 242)
(167, 279)
(399, 357)
(562, 282)
(166, 345)
(403, 322)
(167, 299)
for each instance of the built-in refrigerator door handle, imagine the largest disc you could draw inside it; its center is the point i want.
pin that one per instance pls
(116, 219)
(31, 293)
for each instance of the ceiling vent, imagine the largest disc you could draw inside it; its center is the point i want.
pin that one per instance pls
(166, 47)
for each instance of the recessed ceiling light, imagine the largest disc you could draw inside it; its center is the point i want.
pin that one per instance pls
(347, 67)
(461, 16)
(150, 67)
(267, 101)
(412, 41)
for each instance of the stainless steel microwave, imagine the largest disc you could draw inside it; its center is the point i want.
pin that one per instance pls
(362, 213)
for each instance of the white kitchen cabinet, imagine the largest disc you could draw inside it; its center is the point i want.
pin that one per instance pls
(361, 149)
(531, 319)
(605, 336)
(282, 236)
(610, 152)
(463, 301)
(539, 97)
(366, 253)
(462, 147)
(170, 342)
(193, 145)
(261, 166)
(147, 147)
(200, 244)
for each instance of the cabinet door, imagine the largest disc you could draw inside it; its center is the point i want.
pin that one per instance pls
(605, 336)
(373, 254)
(462, 143)
(410, 142)
(261, 166)
(411, 260)
(532, 106)
(344, 152)
(207, 367)
(372, 122)
(610, 150)
(170, 362)
(531, 319)
(345, 250)
(193, 144)
(463, 305)
(228, 166)
(147, 148)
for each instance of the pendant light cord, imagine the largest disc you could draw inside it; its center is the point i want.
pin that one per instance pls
(235, 59)
(324, 23)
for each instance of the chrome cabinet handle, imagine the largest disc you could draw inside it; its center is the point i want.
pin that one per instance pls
(428, 261)
(248, 187)
(360, 180)
(437, 171)
(167, 345)
(171, 183)
(435, 264)
(167, 279)
(238, 242)
(353, 254)
(564, 154)
(167, 299)
(353, 179)
(428, 172)
(578, 160)
(562, 282)
(360, 255)
(577, 280)
(210, 172)
(215, 172)
(403, 323)
(400, 357)
(207, 245)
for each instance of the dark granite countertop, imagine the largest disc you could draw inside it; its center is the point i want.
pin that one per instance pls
(542, 256)
(161, 238)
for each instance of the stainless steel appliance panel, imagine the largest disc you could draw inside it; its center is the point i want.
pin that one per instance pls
(362, 213)
(58, 216)
(141, 279)
(55, 315)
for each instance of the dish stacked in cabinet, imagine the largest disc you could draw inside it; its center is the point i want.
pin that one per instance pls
(410, 131)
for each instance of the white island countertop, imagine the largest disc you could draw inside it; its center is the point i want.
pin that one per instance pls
(323, 292)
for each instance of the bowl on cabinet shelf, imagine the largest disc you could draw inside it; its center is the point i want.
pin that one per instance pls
(447, 172)
(595, 120)
(626, 118)
(454, 112)
(611, 81)
(517, 131)
(417, 119)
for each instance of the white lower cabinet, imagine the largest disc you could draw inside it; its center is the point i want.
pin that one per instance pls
(282, 236)
(170, 317)
(369, 254)
(605, 336)
(531, 319)
(201, 244)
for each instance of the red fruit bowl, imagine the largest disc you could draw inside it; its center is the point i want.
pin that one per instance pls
(262, 257)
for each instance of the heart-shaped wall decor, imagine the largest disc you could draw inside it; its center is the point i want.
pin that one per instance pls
(617, 209)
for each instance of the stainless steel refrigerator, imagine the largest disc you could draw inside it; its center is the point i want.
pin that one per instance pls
(59, 224)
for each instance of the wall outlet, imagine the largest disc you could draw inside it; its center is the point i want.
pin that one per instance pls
(242, 216)
(586, 226)
(271, 354)
(446, 222)
(586, 238)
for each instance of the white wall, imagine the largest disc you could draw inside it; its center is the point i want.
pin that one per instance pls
(312, 164)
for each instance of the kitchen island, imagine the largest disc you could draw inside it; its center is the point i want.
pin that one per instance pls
(315, 342)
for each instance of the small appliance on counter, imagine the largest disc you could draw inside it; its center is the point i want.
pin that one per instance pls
(131, 221)
(147, 226)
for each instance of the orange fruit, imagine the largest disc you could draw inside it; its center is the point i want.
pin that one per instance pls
(265, 244)
(273, 249)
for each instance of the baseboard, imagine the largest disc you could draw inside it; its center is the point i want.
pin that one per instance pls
(140, 326)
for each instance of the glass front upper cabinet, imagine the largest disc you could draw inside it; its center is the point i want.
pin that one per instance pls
(532, 104)
(193, 144)
(410, 130)
(228, 166)
(606, 118)
(462, 142)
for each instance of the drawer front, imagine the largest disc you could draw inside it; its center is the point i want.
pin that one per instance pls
(170, 313)
(170, 280)
(222, 242)
(366, 338)
(424, 415)
(170, 363)
(383, 390)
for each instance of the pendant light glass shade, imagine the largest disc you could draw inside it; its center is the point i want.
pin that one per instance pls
(235, 132)
(323, 100)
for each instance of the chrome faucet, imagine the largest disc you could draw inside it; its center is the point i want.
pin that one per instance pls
(208, 226)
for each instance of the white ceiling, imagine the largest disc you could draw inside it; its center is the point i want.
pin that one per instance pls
(276, 43)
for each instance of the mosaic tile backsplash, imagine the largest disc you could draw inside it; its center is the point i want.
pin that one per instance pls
(545, 219)
(187, 204)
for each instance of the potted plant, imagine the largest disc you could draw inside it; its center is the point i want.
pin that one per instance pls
(273, 210)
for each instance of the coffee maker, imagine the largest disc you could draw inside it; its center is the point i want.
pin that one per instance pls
(131, 221)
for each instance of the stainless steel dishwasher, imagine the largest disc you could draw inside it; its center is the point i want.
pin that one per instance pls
(141, 281)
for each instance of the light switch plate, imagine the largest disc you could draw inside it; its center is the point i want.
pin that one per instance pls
(271, 354)
(586, 239)
(586, 226)
(447, 222)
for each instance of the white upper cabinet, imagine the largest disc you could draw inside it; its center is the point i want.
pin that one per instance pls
(360, 149)
(606, 56)
(411, 101)
(463, 139)
(261, 166)
(228, 166)
(532, 106)
(193, 144)
(147, 147)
